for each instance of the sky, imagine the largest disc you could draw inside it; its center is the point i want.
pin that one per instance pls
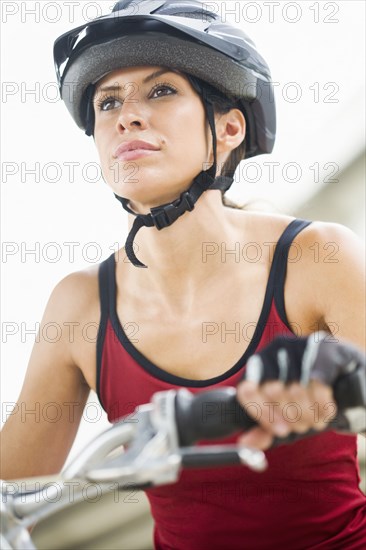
(58, 216)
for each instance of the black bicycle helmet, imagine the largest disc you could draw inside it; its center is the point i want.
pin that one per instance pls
(184, 35)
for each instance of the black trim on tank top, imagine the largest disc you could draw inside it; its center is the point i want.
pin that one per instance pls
(274, 291)
(104, 308)
(279, 265)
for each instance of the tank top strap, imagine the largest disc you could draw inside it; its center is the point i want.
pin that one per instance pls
(107, 296)
(277, 276)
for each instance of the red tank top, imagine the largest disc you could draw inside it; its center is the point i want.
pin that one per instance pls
(309, 496)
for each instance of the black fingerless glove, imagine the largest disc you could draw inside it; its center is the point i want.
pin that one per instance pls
(340, 365)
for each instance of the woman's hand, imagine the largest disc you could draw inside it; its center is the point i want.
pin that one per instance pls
(289, 385)
(281, 409)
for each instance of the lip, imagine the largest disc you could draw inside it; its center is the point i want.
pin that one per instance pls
(135, 154)
(132, 149)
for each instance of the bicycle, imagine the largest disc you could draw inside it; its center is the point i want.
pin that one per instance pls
(159, 444)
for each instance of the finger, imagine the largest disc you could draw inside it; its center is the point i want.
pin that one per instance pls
(323, 404)
(267, 399)
(276, 404)
(298, 409)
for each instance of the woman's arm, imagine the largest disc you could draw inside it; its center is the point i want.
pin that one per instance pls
(333, 286)
(340, 284)
(37, 437)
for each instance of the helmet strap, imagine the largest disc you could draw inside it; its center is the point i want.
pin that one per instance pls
(89, 113)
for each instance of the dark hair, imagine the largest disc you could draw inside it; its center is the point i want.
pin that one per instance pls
(222, 104)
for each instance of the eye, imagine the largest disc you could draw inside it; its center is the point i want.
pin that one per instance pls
(161, 90)
(108, 103)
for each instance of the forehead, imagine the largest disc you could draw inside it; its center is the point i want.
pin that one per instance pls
(138, 74)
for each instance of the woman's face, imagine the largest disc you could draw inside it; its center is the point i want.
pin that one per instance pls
(160, 107)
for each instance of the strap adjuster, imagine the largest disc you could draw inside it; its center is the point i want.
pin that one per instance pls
(163, 216)
(187, 201)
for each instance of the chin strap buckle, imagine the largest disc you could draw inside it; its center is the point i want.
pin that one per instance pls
(165, 215)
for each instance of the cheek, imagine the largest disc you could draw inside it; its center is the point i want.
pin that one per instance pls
(191, 139)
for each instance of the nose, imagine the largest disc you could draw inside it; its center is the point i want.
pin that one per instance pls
(131, 116)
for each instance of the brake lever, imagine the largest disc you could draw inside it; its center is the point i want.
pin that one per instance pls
(121, 433)
(155, 456)
(152, 457)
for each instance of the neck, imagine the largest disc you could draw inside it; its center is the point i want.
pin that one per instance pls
(181, 257)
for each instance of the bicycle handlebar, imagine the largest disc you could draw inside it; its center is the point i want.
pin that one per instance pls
(217, 413)
(158, 445)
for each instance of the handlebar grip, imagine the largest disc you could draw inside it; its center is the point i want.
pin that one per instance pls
(217, 413)
(209, 415)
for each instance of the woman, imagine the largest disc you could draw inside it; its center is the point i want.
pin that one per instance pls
(175, 99)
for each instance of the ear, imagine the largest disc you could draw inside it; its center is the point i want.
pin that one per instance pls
(230, 130)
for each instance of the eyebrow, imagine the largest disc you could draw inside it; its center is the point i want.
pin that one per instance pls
(147, 79)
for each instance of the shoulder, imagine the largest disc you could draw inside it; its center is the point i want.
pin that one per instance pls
(328, 242)
(258, 226)
(331, 275)
(331, 249)
(75, 296)
(319, 244)
(325, 233)
(78, 287)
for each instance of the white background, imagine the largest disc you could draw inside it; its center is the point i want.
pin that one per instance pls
(316, 54)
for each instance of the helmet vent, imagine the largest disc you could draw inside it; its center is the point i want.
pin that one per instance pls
(192, 10)
(203, 15)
